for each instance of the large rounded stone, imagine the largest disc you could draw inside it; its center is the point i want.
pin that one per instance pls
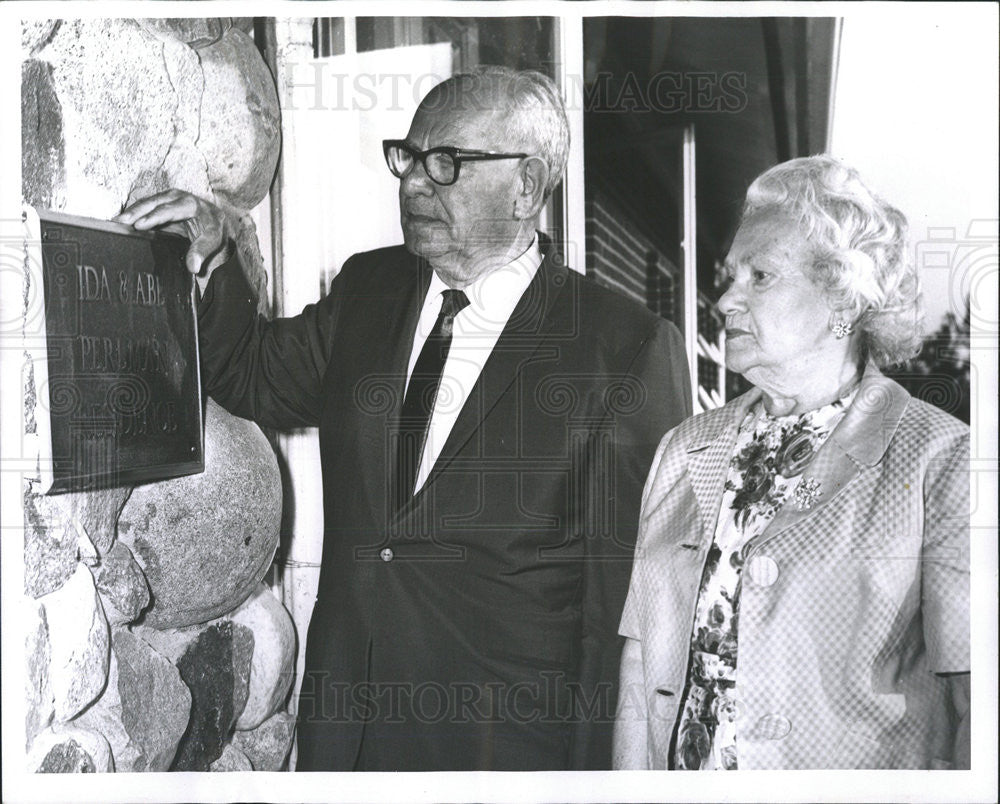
(184, 166)
(273, 666)
(78, 635)
(240, 120)
(205, 541)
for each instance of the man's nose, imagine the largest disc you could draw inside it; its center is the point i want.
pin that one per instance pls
(415, 181)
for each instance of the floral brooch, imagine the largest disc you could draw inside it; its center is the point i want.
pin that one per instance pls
(806, 493)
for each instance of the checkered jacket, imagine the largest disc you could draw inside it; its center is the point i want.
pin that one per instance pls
(849, 608)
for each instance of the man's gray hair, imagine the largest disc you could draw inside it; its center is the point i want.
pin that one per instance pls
(859, 247)
(529, 110)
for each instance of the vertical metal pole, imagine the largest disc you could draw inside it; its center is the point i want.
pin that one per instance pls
(689, 249)
(350, 36)
(838, 32)
(289, 44)
(569, 66)
(277, 231)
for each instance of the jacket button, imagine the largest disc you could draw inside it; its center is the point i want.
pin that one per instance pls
(763, 570)
(773, 727)
(386, 554)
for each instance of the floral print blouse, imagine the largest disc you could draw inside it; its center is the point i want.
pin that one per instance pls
(766, 469)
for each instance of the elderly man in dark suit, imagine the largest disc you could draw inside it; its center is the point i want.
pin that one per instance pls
(486, 421)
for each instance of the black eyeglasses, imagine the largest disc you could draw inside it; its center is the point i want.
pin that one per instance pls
(442, 164)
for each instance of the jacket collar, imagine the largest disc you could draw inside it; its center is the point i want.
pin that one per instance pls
(859, 441)
(871, 422)
(864, 433)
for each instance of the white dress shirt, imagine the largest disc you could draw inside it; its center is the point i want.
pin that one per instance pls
(492, 299)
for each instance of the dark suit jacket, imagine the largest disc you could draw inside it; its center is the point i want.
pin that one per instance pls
(476, 628)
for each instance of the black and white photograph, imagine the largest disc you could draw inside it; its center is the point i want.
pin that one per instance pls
(499, 401)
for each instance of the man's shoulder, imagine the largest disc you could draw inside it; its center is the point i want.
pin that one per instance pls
(380, 261)
(614, 314)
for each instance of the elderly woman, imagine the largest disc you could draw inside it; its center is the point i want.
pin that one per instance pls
(800, 592)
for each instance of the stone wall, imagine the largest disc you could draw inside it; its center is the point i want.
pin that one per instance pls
(152, 643)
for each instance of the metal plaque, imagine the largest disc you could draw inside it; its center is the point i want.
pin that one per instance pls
(121, 383)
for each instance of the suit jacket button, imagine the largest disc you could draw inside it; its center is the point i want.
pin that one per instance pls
(763, 570)
(774, 727)
(386, 554)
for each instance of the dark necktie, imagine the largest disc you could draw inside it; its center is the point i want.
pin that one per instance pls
(418, 404)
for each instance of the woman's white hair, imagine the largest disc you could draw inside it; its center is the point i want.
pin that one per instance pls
(527, 105)
(860, 253)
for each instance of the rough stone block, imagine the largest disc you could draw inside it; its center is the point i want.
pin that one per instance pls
(36, 34)
(208, 668)
(70, 749)
(121, 585)
(97, 512)
(205, 541)
(251, 259)
(42, 149)
(145, 708)
(232, 759)
(62, 529)
(118, 109)
(273, 666)
(40, 703)
(78, 634)
(173, 643)
(156, 705)
(197, 33)
(268, 745)
(51, 545)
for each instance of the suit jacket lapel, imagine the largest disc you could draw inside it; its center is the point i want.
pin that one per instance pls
(858, 442)
(521, 337)
(395, 326)
(709, 455)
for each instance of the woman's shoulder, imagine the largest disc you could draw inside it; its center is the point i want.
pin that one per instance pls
(929, 424)
(703, 428)
(929, 435)
(923, 437)
(903, 422)
(711, 422)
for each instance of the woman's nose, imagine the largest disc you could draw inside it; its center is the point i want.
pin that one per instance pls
(732, 301)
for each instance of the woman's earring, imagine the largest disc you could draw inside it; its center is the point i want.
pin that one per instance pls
(841, 328)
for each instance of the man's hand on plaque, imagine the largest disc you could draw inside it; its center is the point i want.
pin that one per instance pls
(202, 222)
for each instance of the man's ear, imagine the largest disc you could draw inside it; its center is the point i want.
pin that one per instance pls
(534, 176)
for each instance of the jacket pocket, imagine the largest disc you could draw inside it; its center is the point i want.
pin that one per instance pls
(857, 751)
